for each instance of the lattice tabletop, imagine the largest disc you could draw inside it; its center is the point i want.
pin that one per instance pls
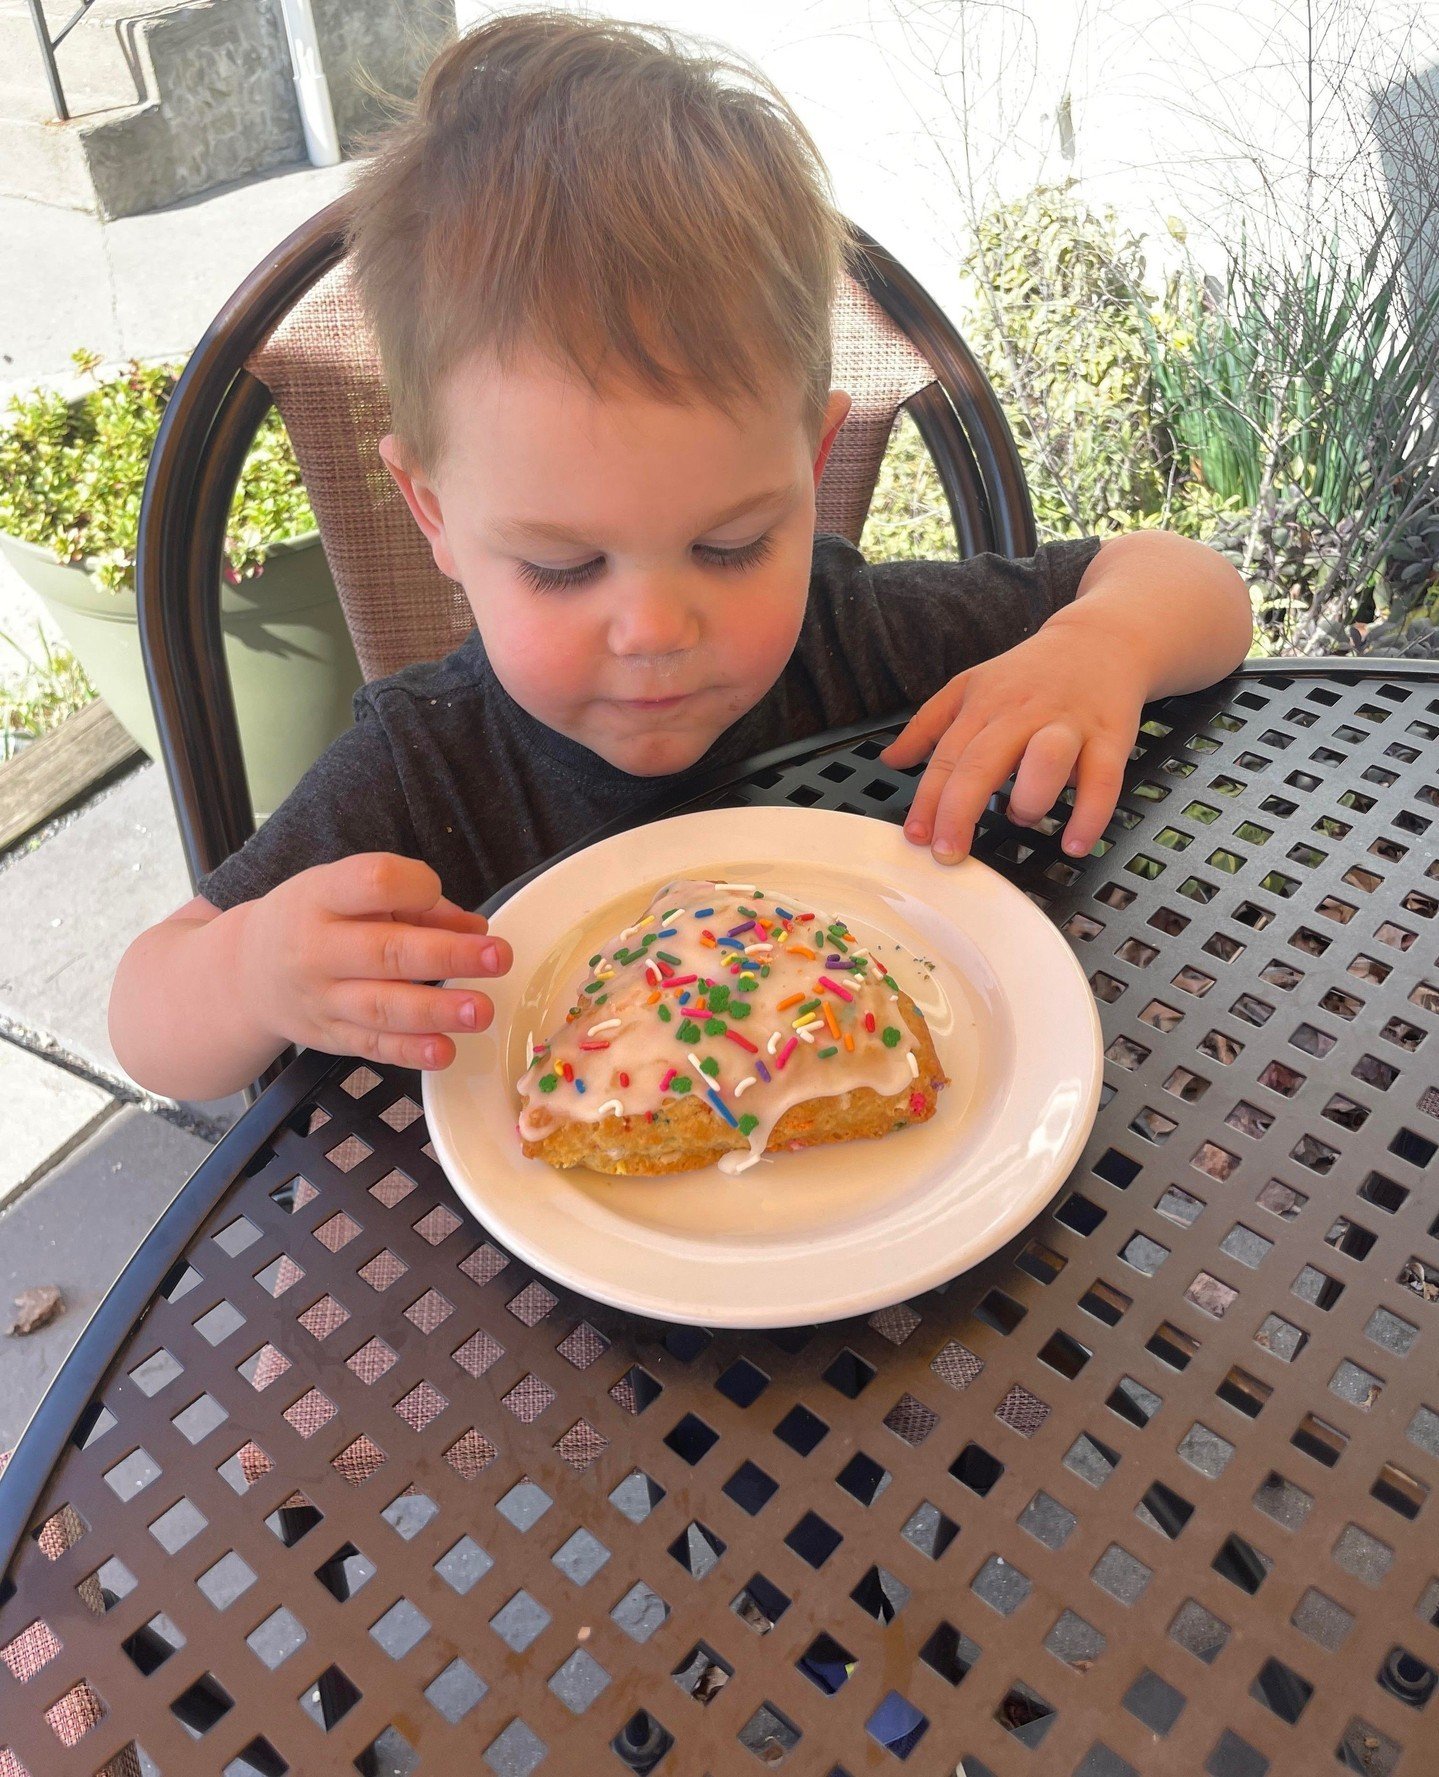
(1148, 1491)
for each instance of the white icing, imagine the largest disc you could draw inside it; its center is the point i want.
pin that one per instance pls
(652, 1055)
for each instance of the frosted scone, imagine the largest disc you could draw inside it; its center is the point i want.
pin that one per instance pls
(728, 1021)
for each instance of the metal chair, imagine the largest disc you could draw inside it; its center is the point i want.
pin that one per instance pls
(293, 336)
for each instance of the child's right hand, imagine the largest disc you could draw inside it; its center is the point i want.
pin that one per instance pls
(337, 959)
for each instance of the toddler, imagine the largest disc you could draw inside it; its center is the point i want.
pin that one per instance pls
(598, 262)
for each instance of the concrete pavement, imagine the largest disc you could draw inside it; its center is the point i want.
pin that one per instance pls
(76, 1230)
(88, 1161)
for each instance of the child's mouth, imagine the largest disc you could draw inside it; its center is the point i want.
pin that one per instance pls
(655, 703)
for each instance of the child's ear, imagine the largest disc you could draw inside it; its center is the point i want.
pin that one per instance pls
(423, 502)
(835, 414)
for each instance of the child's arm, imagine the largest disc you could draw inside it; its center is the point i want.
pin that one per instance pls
(335, 958)
(1154, 614)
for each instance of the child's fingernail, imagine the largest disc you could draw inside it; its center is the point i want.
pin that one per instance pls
(490, 957)
(944, 850)
(917, 832)
(432, 1054)
(466, 1014)
(1074, 848)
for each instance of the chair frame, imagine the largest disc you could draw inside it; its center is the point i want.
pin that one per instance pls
(218, 405)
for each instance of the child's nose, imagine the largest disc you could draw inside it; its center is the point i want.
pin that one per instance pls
(652, 617)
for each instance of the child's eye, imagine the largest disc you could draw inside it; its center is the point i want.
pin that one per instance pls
(747, 556)
(555, 579)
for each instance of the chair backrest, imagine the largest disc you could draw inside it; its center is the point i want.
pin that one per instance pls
(322, 369)
(293, 336)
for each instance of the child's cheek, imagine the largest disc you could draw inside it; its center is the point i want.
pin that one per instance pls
(762, 643)
(522, 650)
(555, 655)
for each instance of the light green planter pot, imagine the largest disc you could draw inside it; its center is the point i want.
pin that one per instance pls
(291, 660)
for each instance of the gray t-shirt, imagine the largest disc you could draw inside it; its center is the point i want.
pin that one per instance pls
(442, 764)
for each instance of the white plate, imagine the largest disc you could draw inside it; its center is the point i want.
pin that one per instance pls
(830, 1231)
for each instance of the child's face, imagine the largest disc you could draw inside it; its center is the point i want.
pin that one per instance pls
(638, 570)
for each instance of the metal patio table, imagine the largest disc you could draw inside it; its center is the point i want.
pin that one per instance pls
(333, 1482)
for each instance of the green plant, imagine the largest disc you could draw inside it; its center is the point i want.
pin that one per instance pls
(1290, 405)
(1288, 554)
(1302, 399)
(1280, 412)
(908, 516)
(72, 473)
(42, 694)
(1052, 318)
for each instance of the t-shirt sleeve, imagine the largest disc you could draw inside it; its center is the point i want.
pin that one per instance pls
(350, 800)
(899, 630)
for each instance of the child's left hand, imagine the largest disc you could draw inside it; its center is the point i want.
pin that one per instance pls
(1063, 706)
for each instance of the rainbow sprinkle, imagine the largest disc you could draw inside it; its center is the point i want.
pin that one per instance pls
(723, 1109)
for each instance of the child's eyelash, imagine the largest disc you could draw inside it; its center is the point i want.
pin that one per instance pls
(555, 579)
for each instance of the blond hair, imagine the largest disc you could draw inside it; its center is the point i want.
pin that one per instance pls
(619, 197)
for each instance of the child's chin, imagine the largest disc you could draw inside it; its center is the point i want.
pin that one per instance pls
(655, 755)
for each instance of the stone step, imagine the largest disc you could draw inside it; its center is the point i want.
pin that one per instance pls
(168, 98)
(49, 161)
(173, 98)
(100, 62)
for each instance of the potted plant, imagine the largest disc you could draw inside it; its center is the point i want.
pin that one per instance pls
(72, 471)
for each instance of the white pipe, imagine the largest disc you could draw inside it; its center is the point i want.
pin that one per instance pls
(312, 90)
